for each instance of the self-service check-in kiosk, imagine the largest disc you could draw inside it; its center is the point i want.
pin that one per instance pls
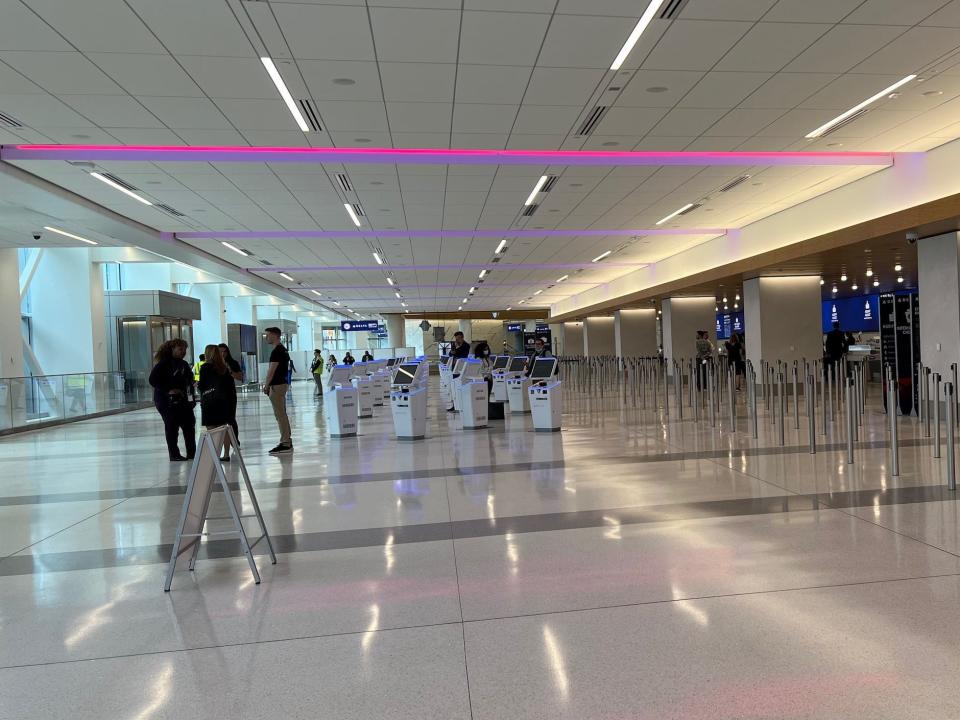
(500, 374)
(517, 385)
(380, 378)
(546, 398)
(340, 403)
(453, 389)
(472, 391)
(363, 382)
(408, 401)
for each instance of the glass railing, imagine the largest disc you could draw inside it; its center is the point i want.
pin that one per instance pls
(32, 401)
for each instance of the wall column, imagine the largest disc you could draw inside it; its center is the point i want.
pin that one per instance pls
(938, 264)
(396, 330)
(635, 333)
(681, 318)
(598, 337)
(782, 318)
(11, 335)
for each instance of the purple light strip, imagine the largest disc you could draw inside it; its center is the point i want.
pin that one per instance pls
(274, 234)
(418, 286)
(420, 156)
(466, 266)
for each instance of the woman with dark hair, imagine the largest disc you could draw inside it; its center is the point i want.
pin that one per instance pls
(174, 397)
(734, 348)
(237, 373)
(217, 394)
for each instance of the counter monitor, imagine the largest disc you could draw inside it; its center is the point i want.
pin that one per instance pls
(501, 362)
(543, 368)
(517, 364)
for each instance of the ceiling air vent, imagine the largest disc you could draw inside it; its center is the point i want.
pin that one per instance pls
(530, 210)
(672, 9)
(548, 185)
(358, 209)
(9, 120)
(344, 182)
(310, 114)
(691, 209)
(495, 260)
(733, 183)
(856, 116)
(265, 262)
(590, 124)
(120, 181)
(169, 210)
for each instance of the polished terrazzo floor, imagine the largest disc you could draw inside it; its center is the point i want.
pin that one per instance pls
(631, 566)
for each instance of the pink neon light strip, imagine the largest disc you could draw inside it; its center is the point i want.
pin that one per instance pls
(274, 234)
(415, 156)
(468, 266)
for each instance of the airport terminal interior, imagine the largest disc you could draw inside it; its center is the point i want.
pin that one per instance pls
(479, 359)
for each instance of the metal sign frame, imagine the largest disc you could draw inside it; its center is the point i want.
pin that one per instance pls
(205, 473)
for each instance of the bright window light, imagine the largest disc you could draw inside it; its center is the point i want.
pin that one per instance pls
(857, 108)
(231, 246)
(285, 93)
(674, 214)
(287, 277)
(121, 188)
(536, 189)
(376, 256)
(500, 247)
(352, 213)
(69, 235)
(601, 256)
(638, 29)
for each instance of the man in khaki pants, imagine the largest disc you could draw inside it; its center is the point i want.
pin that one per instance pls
(275, 387)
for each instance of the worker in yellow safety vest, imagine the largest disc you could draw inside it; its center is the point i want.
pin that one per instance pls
(196, 367)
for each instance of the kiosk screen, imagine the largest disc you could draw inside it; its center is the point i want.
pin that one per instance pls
(404, 374)
(391, 362)
(501, 362)
(543, 368)
(517, 364)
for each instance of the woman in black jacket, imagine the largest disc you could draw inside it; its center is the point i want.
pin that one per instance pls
(174, 397)
(218, 394)
(236, 371)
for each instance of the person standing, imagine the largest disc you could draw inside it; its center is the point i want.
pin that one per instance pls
(367, 357)
(540, 350)
(834, 347)
(461, 348)
(218, 394)
(275, 387)
(237, 374)
(349, 359)
(734, 348)
(704, 349)
(174, 397)
(316, 367)
(197, 365)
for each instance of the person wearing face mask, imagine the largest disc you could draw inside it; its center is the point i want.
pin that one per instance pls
(174, 396)
(540, 350)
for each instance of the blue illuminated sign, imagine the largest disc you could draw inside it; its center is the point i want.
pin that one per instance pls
(514, 327)
(856, 314)
(359, 325)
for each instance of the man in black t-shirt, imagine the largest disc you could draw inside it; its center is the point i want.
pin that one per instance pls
(275, 387)
(461, 348)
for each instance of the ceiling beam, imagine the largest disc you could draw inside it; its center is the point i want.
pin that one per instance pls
(507, 232)
(480, 315)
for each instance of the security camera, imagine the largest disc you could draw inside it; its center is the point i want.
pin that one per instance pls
(912, 237)
(37, 235)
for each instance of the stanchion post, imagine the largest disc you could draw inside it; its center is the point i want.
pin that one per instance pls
(731, 395)
(811, 414)
(781, 388)
(951, 428)
(848, 398)
(894, 427)
(936, 415)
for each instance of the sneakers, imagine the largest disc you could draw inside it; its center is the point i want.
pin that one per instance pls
(282, 449)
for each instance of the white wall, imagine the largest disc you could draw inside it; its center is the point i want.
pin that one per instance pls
(782, 318)
(211, 328)
(939, 281)
(682, 317)
(571, 342)
(635, 333)
(11, 343)
(598, 337)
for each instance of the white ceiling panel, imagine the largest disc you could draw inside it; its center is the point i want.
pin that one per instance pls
(687, 121)
(14, 83)
(493, 38)
(786, 90)
(194, 27)
(541, 118)
(22, 29)
(331, 79)
(354, 116)
(325, 32)
(695, 44)
(744, 121)
(770, 46)
(230, 77)
(658, 88)
(157, 75)
(583, 41)
(258, 115)
(419, 117)
(723, 89)
(911, 50)
(62, 73)
(562, 86)
(479, 141)
(41, 111)
(418, 82)
(185, 112)
(98, 25)
(893, 12)
(630, 121)
(408, 35)
(815, 11)
(727, 10)
(947, 16)
(843, 47)
(500, 85)
(109, 111)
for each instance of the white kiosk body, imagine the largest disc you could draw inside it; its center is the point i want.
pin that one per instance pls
(385, 374)
(472, 391)
(408, 403)
(517, 386)
(499, 375)
(363, 382)
(546, 396)
(340, 403)
(459, 364)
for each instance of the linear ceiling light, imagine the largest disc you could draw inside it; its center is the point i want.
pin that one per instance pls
(460, 308)
(390, 281)
(285, 93)
(287, 277)
(483, 274)
(317, 293)
(336, 303)
(509, 307)
(376, 256)
(637, 32)
(857, 108)
(69, 235)
(562, 278)
(464, 300)
(601, 256)
(538, 292)
(472, 290)
(536, 189)
(119, 187)
(403, 304)
(399, 296)
(231, 246)
(500, 247)
(352, 213)
(675, 213)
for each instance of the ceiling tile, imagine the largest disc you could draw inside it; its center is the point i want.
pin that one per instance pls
(744, 121)
(419, 117)
(14, 83)
(786, 90)
(770, 46)
(687, 122)
(694, 44)
(23, 30)
(723, 89)
(353, 116)
(893, 12)
(583, 41)
(325, 32)
(483, 118)
(634, 122)
(62, 73)
(41, 111)
(914, 49)
(194, 27)
(801, 11)
(258, 114)
(223, 77)
(948, 16)
(843, 47)
(98, 25)
(562, 86)
(112, 111)
(492, 38)
(727, 10)
(407, 35)
(501, 85)
(418, 82)
(320, 76)
(156, 75)
(658, 88)
(185, 112)
(546, 119)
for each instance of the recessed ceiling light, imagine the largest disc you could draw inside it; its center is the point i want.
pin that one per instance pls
(536, 189)
(460, 308)
(869, 272)
(737, 296)
(674, 213)
(464, 300)
(724, 298)
(69, 235)
(119, 187)
(833, 289)
(472, 290)
(821, 282)
(726, 307)
(403, 304)
(601, 256)
(853, 287)
(286, 277)
(932, 93)
(876, 283)
(376, 256)
(736, 306)
(843, 277)
(352, 213)
(231, 246)
(509, 307)
(636, 33)
(398, 295)
(285, 93)
(898, 267)
(900, 279)
(610, 143)
(344, 81)
(858, 107)
(336, 303)
(362, 140)
(500, 247)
